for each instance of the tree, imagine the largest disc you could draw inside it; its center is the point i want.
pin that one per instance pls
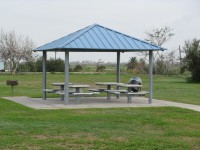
(15, 48)
(137, 66)
(132, 63)
(141, 66)
(191, 62)
(159, 37)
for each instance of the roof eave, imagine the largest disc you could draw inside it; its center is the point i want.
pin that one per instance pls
(96, 50)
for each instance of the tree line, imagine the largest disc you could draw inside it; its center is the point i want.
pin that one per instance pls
(52, 65)
(16, 52)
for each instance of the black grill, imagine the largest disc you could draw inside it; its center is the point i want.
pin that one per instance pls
(136, 81)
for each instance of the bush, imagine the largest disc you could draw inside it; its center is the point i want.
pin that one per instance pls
(78, 68)
(27, 67)
(100, 68)
(70, 69)
(39, 65)
(55, 65)
(52, 65)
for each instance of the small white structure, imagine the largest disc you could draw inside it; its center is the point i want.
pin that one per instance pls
(2, 67)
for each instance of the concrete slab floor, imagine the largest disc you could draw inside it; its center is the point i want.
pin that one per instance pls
(96, 102)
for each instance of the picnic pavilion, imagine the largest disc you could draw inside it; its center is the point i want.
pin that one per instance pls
(97, 38)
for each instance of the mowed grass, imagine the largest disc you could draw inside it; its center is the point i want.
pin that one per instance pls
(120, 128)
(172, 88)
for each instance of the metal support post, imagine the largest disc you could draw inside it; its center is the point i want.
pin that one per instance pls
(150, 76)
(44, 75)
(66, 88)
(118, 71)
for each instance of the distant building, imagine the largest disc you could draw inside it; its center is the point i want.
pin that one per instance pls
(2, 67)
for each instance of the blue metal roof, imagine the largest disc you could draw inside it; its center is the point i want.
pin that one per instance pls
(98, 38)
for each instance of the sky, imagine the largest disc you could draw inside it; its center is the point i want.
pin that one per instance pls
(47, 20)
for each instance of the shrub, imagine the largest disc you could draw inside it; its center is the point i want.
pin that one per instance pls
(100, 68)
(55, 65)
(39, 65)
(27, 67)
(78, 68)
(52, 65)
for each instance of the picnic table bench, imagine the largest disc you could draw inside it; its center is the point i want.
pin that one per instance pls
(119, 92)
(129, 94)
(108, 87)
(76, 93)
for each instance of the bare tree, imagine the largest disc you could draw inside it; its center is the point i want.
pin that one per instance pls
(159, 37)
(14, 48)
(170, 62)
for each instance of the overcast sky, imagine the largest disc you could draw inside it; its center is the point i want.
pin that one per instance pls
(46, 20)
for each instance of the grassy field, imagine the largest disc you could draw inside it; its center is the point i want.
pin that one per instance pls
(121, 128)
(172, 88)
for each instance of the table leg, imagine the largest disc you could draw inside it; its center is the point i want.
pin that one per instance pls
(118, 88)
(129, 96)
(77, 97)
(108, 94)
(62, 89)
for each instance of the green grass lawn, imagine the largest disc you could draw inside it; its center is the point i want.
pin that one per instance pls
(172, 88)
(121, 128)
